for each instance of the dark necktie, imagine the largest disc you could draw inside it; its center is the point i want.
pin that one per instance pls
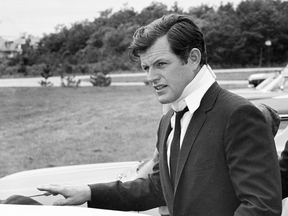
(175, 144)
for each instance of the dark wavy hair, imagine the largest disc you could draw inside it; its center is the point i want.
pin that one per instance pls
(182, 34)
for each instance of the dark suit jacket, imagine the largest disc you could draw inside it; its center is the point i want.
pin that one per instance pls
(228, 166)
(283, 161)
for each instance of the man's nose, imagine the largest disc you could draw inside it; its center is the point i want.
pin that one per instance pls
(152, 76)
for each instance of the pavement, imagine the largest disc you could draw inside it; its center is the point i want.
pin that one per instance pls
(35, 82)
(56, 82)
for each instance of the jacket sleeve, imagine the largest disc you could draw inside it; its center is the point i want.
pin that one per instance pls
(253, 162)
(283, 162)
(137, 195)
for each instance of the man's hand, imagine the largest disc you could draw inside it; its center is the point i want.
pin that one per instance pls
(74, 194)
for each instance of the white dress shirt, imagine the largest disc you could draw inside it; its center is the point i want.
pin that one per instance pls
(191, 97)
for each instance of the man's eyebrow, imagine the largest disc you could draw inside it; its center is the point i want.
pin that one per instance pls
(161, 59)
(153, 63)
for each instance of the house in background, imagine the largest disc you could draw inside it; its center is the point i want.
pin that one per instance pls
(11, 48)
(12, 38)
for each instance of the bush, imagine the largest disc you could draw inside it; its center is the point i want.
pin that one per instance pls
(10, 71)
(100, 79)
(46, 73)
(82, 69)
(35, 70)
(22, 69)
(70, 81)
(2, 69)
(13, 71)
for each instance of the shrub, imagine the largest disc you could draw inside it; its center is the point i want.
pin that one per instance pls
(46, 73)
(70, 81)
(35, 70)
(11, 71)
(82, 69)
(100, 79)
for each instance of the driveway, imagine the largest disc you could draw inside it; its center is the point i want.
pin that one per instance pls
(56, 81)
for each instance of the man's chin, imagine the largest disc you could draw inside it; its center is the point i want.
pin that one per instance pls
(165, 97)
(163, 100)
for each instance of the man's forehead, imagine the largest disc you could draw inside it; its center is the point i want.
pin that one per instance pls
(160, 48)
(154, 54)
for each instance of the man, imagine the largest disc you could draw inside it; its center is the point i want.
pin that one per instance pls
(227, 156)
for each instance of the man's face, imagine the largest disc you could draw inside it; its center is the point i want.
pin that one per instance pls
(165, 71)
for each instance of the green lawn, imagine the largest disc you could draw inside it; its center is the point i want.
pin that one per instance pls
(47, 127)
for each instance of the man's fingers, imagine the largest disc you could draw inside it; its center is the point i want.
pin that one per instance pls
(74, 195)
(53, 189)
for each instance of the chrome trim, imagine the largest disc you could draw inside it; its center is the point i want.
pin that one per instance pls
(284, 117)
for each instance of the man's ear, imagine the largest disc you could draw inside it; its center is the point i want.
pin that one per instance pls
(195, 56)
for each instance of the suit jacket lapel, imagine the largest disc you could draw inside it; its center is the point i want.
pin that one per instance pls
(195, 126)
(165, 174)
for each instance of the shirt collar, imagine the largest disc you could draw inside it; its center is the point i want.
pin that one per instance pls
(194, 91)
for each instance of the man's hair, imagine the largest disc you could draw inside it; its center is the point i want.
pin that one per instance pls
(182, 33)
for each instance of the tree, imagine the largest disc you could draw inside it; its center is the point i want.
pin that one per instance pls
(257, 24)
(46, 73)
(77, 37)
(152, 12)
(280, 41)
(176, 9)
(235, 36)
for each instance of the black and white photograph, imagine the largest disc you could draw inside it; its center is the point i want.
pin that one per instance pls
(128, 107)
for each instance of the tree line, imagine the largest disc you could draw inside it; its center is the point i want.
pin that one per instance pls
(253, 33)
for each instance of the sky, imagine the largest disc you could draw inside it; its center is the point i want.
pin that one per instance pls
(39, 17)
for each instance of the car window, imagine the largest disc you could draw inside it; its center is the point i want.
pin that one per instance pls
(274, 84)
(281, 85)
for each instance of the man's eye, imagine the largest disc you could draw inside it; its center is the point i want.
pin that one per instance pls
(161, 64)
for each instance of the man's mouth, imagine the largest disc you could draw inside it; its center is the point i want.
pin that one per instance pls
(159, 87)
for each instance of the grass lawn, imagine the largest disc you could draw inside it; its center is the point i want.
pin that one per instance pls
(47, 127)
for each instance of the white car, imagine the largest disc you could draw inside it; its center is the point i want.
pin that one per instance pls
(255, 79)
(274, 85)
(16, 210)
(25, 183)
